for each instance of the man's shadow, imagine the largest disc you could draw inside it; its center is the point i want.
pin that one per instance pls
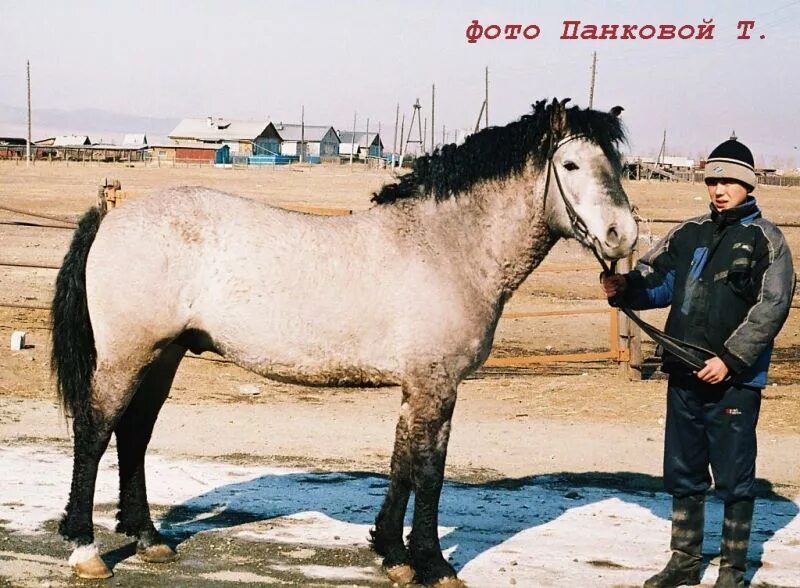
(482, 516)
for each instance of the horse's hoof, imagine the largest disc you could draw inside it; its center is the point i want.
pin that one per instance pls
(159, 553)
(93, 568)
(451, 582)
(402, 574)
(86, 562)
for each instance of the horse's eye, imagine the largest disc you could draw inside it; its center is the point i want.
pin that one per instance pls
(570, 165)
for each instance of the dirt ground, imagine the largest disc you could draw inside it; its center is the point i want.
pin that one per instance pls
(66, 191)
(509, 423)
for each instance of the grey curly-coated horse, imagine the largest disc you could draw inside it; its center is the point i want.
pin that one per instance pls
(407, 293)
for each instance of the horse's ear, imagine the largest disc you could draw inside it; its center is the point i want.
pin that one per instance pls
(558, 120)
(616, 111)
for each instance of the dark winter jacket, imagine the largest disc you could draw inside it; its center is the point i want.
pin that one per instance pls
(729, 278)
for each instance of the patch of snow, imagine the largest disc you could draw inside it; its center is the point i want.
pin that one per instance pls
(541, 531)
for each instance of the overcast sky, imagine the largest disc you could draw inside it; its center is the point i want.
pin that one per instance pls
(253, 59)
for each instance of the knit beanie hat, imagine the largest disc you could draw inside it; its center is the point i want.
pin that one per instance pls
(734, 160)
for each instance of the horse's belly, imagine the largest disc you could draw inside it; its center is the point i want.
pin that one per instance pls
(320, 374)
(355, 342)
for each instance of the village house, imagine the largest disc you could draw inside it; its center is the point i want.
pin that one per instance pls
(361, 145)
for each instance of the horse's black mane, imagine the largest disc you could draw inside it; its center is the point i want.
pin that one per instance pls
(499, 152)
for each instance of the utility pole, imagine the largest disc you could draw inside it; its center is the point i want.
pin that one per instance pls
(660, 157)
(28, 147)
(480, 115)
(408, 140)
(486, 99)
(353, 140)
(594, 72)
(425, 135)
(419, 125)
(302, 133)
(402, 132)
(394, 143)
(433, 116)
(366, 142)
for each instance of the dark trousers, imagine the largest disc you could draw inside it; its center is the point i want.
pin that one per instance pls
(710, 425)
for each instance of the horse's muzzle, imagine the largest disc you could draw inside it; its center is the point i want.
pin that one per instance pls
(619, 242)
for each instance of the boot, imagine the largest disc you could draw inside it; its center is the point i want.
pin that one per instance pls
(735, 540)
(683, 568)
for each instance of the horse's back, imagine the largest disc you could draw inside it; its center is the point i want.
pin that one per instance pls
(244, 272)
(280, 292)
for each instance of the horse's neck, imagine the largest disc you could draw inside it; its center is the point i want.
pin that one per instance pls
(500, 228)
(514, 229)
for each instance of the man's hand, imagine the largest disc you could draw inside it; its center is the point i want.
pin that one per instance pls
(714, 372)
(613, 284)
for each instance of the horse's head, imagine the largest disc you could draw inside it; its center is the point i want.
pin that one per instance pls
(585, 199)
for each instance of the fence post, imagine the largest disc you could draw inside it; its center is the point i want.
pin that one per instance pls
(630, 334)
(634, 339)
(623, 329)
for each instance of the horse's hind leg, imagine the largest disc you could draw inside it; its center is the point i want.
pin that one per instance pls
(133, 433)
(92, 426)
(91, 438)
(387, 537)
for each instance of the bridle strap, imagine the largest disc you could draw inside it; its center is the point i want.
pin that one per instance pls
(579, 227)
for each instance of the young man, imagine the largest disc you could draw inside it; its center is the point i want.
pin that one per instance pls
(729, 279)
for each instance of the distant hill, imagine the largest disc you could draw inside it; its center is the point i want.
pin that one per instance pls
(109, 126)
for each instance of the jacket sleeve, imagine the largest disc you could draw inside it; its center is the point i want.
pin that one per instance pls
(766, 317)
(651, 283)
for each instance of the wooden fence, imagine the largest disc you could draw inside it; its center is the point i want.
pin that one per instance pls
(110, 196)
(650, 171)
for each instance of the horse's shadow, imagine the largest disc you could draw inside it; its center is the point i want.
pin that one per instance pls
(482, 516)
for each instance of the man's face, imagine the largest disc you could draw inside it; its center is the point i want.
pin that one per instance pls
(725, 193)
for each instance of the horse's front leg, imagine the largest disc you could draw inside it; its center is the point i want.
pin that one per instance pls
(430, 411)
(387, 537)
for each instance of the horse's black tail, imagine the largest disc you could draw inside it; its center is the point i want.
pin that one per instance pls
(73, 355)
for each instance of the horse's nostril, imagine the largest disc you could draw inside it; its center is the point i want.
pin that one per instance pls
(612, 236)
